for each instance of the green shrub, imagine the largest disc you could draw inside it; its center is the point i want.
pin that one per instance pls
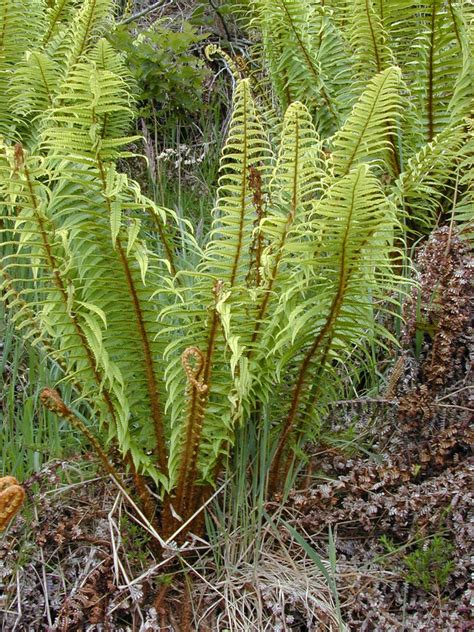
(169, 76)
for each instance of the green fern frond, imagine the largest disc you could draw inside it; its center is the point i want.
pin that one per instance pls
(426, 38)
(33, 85)
(424, 190)
(57, 15)
(324, 312)
(304, 50)
(91, 117)
(17, 35)
(86, 28)
(246, 150)
(368, 40)
(366, 134)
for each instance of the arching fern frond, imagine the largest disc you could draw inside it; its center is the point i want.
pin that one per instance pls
(33, 85)
(87, 26)
(246, 151)
(304, 52)
(17, 34)
(368, 40)
(325, 313)
(366, 133)
(91, 117)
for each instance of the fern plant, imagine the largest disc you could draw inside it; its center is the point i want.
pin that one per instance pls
(325, 53)
(170, 346)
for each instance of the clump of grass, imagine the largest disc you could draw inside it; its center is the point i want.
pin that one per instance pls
(30, 435)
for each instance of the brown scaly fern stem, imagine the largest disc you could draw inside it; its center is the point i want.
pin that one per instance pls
(313, 351)
(51, 399)
(256, 247)
(197, 390)
(289, 221)
(12, 496)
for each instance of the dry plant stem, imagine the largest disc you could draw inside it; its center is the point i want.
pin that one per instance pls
(187, 609)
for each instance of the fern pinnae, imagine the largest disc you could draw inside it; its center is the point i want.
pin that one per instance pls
(429, 95)
(152, 382)
(366, 130)
(353, 203)
(310, 64)
(55, 17)
(55, 271)
(294, 177)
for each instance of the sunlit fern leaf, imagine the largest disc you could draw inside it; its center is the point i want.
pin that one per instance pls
(297, 180)
(91, 116)
(304, 52)
(108, 59)
(368, 40)
(87, 26)
(460, 106)
(424, 189)
(61, 12)
(463, 206)
(426, 39)
(206, 305)
(91, 299)
(33, 87)
(324, 311)
(366, 133)
(17, 35)
(246, 149)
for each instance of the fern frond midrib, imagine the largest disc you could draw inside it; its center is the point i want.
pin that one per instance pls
(45, 81)
(152, 383)
(49, 33)
(86, 32)
(372, 34)
(291, 214)
(243, 195)
(430, 74)
(309, 61)
(64, 296)
(328, 325)
(364, 128)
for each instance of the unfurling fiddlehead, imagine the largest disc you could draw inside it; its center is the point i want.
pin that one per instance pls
(12, 496)
(193, 362)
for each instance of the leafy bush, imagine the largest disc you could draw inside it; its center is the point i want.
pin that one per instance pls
(170, 78)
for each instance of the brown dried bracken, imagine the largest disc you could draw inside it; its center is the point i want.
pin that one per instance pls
(12, 496)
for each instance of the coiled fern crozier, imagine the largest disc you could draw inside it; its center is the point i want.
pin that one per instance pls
(168, 358)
